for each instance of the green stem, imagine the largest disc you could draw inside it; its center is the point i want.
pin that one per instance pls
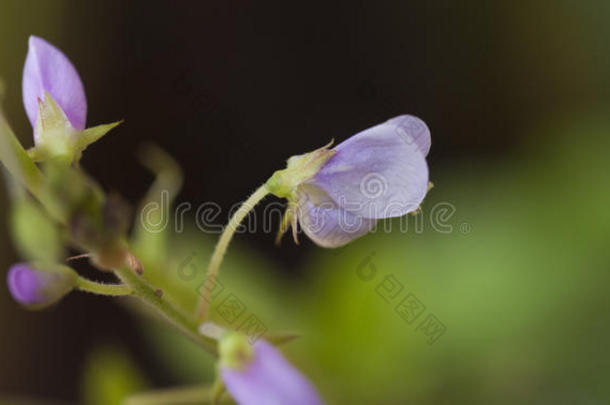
(154, 298)
(103, 289)
(221, 248)
(175, 396)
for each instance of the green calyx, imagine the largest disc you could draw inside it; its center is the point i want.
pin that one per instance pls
(235, 351)
(284, 183)
(57, 139)
(300, 168)
(55, 282)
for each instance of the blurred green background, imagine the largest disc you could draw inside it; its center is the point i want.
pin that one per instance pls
(517, 97)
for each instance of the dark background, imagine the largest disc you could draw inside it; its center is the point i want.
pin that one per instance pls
(233, 88)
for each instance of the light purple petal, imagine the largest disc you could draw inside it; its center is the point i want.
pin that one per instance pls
(269, 379)
(413, 129)
(48, 69)
(325, 222)
(33, 287)
(377, 173)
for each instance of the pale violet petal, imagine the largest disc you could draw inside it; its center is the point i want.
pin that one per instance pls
(269, 379)
(38, 287)
(48, 69)
(413, 129)
(377, 173)
(325, 222)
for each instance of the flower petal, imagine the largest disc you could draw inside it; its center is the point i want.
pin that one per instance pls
(325, 222)
(269, 379)
(377, 173)
(35, 287)
(48, 69)
(413, 129)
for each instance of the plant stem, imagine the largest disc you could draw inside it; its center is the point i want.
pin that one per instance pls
(174, 396)
(154, 298)
(103, 289)
(221, 248)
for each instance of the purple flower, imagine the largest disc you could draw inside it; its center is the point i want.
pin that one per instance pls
(260, 375)
(339, 194)
(47, 69)
(55, 102)
(37, 286)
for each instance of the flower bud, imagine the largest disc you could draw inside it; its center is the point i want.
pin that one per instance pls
(37, 285)
(55, 102)
(259, 375)
(48, 70)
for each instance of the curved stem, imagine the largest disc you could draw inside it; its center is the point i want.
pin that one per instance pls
(221, 248)
(154, 298)
(103, 289)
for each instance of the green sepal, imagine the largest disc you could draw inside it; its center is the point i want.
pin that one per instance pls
(57, 139)
(218, 390)
(54, 134)
(61, 281)
(93, 134)
(235, 351)
(281, 338)
(288, 220)
(283, 183)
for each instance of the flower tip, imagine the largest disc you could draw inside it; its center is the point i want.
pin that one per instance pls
(34, 41)
(37, 286)
(413, 129)
(48, 69)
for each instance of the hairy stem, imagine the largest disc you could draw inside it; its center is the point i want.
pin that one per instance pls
(221, 248)
(103, 289)
(154, 298)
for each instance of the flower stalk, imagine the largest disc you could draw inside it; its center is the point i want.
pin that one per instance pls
(154, 298)
(116, 290)
(221, 248)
